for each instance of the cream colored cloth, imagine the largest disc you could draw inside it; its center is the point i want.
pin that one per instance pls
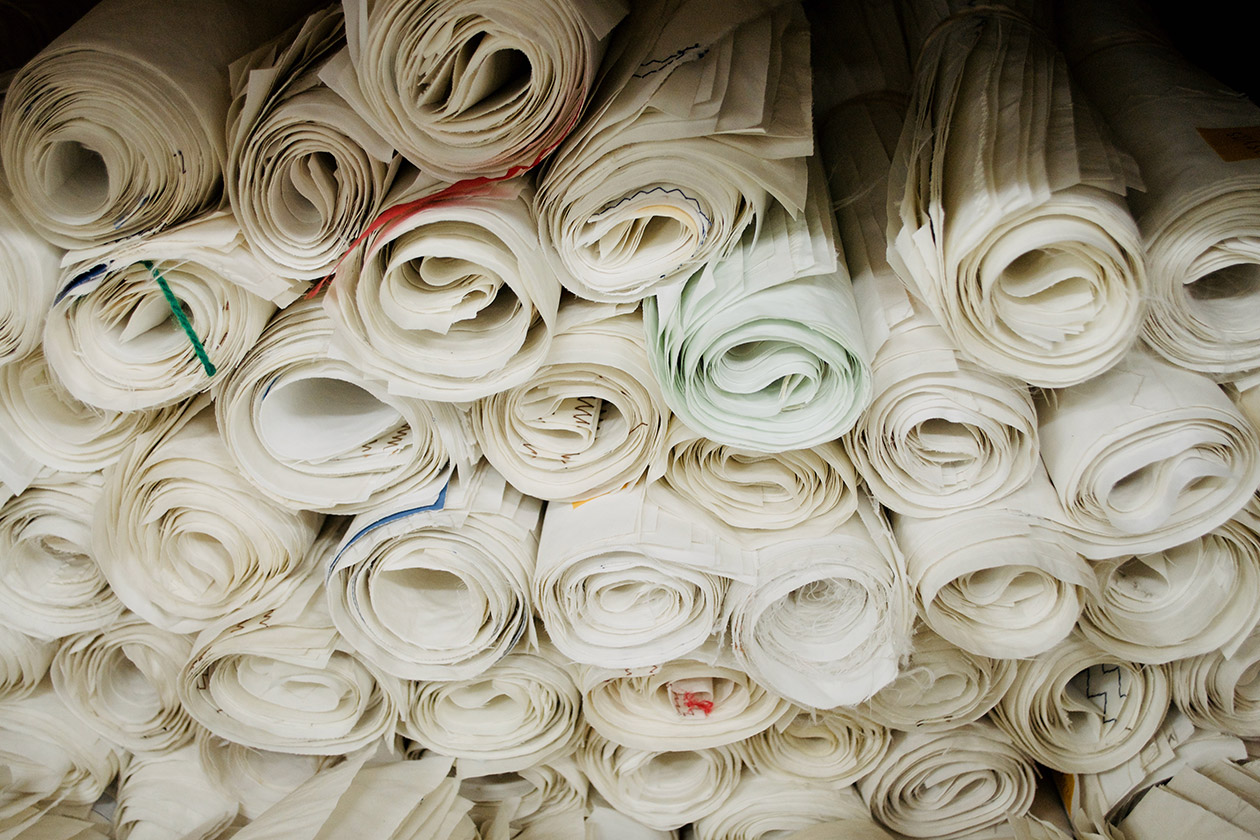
(116, 128)
(543, 802)
(313, 433)
(185, 541)
(438, 590)
(1006, 210)
(170, 796)
(24, 663)
(591, 420)
(28, 280)
(835, 747)
(1077, 709)
(478, 91)
(255, 779)
(766, 806)
(121, 681)
(700, 125)
(1220, 692)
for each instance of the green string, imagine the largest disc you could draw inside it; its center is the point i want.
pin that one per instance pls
(178, 312)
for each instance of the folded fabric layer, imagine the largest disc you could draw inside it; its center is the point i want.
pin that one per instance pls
(479, 91)
(624, 581)
(1198, 213)
(152, 783)
(521, 711)
(453, 301)
(1147, 457)
(121, 681)
(286, 681)
(941, 686)
(766, 806)
(49, 757)
(28, 280)
(1185, 601)
(540, 802)
(50, 585)
(313, 433)
(828, 617)
(1006, 210)
(762, 348)
(116, 128)
(255, 779)
(184, 540)
(148, 325)
(756, 490)
(607, 823)
(1220, 692)
(663, 790)
(833, 748)
(949, 784)
(1078, 709)
(693, 702)
(591, 420)
(24, 662)
(701, 124)
(1001, 580)
(438, 590)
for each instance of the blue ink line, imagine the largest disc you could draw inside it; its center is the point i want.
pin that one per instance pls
(393, 517)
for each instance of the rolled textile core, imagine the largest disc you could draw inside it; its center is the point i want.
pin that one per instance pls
(121, 681)
(592, 418)
(313, 433)
(184, 540)
(1219, 692)
(1146, 457)
(1001, 580)
(1006, 210)
(465, 282)
(150, 782)
(255, 779)
(116, 128)
(700, 126)
(24, 662)
(29, 271)
(551, 797)
(1077, 709)
(50, 585)
(1189, 600)
(663, 790)
(940, 687)
(438, 590)
(835, 747)
(949, 784)
(767, 806)
(473, 90)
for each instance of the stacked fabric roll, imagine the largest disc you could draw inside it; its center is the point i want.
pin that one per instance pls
(590, 420)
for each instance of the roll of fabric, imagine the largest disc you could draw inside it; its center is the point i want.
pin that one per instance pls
(949, 784)
(544, 801)
(833, 748)
(624, 581)
(151, 782)
(50, 585)
(185, 541)
(663, 790)
(1198, 213)
(50, 758)
(756, 490)
(480, 91)
(940, 687)
(1219, 692)
(1077, 709)
(1006, 209)
(694, 702)
(438, 591)
(285, 681)
(29, 271)
(521, 711)
(149, 324)
(1185, 601)
(121, 681)
(828, 617)
(255, 779)
(591, 420)
(313, 433)
(465, 280)
(1147, 457)
(766, 806)
(762, 348)
(942, 433)
(701, 124)
(1002, 580)
(607, 823)
(116, 128)
(24, 662)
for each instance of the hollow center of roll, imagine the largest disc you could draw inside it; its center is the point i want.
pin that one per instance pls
(1228, 297)
(413, 602)
(310, 192)
(128, 693)
(76, 179)
(947, 445)
(477, 78)
(1046, 296)
(319, 418)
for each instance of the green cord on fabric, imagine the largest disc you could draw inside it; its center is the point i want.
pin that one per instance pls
(178, 312)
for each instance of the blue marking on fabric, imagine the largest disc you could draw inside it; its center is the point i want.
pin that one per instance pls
(393, 517)
(88, 276)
